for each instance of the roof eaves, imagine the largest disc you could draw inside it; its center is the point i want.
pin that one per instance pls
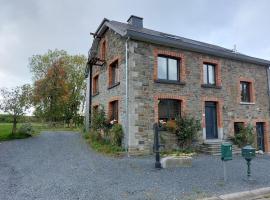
(193, 47)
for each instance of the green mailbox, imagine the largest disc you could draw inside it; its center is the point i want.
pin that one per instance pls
(226, 151)
(248, 152)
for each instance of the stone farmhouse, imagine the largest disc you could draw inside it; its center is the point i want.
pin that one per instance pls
(142, 76)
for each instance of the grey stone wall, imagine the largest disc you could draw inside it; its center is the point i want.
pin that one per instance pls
(115, 47)
(144, 89)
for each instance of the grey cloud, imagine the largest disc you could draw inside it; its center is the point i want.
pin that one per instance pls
(33, 26)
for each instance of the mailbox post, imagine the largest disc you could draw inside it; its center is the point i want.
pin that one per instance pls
(248, 152)
(226, 155)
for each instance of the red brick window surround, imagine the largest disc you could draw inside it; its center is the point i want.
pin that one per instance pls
(96, 84)
(95, 108)
(103, 49)
(158, 99)
(113, 73)
(171, 64)
(113, 111)
(210, 73)
(219, 104)
(246, 92)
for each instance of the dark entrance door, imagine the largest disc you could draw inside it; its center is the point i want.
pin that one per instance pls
(260, 135)
(211, 120)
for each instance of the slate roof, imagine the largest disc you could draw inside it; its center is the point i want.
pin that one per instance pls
(143, 34)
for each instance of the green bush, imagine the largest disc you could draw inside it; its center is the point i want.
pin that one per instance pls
(245, 136)
(116, 134)
(186, 129)
(99, 120)
(26, 129)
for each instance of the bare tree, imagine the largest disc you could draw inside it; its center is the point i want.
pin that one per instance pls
(15, 102)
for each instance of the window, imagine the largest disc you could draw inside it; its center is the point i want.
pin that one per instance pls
(168, 68)
(95, 85)
(245, 91)
(103, 50)
(95, 108)
(168, 109)
(237, 127)
(209, 74)
(113, 74)
(113, 110)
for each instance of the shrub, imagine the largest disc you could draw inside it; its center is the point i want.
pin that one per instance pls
(26, 129)
(245, 136)
(186, 130)
(99, 120)
(116, 134)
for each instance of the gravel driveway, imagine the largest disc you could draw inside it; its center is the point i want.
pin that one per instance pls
(62, 166)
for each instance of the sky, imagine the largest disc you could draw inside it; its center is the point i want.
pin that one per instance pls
(29, 27)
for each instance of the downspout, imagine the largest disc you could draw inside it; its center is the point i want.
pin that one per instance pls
(268, 85)
(90, 95)
(126, 101)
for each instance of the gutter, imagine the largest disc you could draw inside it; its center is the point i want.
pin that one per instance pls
(127, 99)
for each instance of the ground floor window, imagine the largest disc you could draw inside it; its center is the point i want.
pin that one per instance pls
(237, 127)
(113, 111)
(168, 109)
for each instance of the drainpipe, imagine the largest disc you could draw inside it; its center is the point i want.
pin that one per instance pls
(268, 85)
(127, 99)
(90, 95)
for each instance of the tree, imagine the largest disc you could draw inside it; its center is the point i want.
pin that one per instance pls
(59, 85)
(16, 102)
(51, 93)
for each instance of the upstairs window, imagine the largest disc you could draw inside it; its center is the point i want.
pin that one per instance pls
(103, 50)
(113, 74)
(168, 109)
(237, 127)
(209, 74)
(168, 68)
(113, 111)
(95, 85)
(245, 91)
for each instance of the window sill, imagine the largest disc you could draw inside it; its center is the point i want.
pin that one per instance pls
(170, 82)
(114, 85)
(210, 86)
(97, 93)
(247, 103)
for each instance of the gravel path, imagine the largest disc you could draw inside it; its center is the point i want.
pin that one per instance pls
(62, 166)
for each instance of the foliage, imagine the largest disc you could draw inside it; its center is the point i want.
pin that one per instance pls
(186, 130)
(99, 120)
(59, 85)
(116, 134)
(103, 146)
(51, 93)
(26, 129)
(245, 136)
(180, 152)
(16, 102)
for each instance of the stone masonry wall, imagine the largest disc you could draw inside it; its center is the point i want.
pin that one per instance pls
(144, 92)
(115, 48)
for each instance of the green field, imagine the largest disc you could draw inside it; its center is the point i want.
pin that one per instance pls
(5, 130)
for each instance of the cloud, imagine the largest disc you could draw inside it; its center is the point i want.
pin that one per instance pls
(32, 27)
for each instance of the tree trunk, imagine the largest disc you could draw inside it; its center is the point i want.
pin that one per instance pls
(14, 127)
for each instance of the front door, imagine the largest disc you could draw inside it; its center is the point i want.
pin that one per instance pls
(260, 135)
(211, 120)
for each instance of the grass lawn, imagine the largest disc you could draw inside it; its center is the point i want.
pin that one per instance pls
(5, 130)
